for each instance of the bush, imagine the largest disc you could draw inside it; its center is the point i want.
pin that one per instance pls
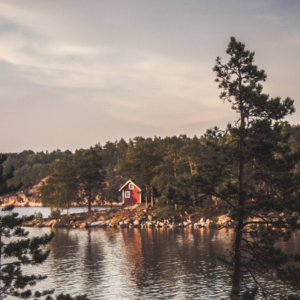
(166, 212)
(38, 215)
(65, 218)
(55, 213)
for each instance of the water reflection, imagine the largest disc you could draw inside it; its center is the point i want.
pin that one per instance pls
(139, 263)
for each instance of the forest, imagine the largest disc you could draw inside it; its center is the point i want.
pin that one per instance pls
(156, 165)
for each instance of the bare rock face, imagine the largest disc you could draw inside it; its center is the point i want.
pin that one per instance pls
(26, 197)
(150, 218)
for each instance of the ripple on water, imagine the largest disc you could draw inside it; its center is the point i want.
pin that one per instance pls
(138, 264)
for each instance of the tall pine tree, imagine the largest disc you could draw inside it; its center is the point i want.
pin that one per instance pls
(253, 171)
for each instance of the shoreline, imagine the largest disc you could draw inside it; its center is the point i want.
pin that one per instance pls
(128, 219)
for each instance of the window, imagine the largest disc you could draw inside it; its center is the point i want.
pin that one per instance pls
(127, 194)
(131, 187)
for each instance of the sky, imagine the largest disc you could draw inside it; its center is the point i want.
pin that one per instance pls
(75, 73)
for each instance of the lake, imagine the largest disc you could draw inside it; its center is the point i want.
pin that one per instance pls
(46, 210)
(112, 263)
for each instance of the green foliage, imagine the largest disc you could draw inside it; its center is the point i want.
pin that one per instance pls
(166, 212)
(65, 218)
(21, 251)
(254, 171)
(32, 166)
(38, 215)
(250, 166)
(90, 171)
(55, 213)
(60, 189)
(111, 192)
(4, 178)
(250, 294)
(18, 252)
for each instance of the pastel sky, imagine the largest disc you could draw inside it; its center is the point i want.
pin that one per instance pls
(75, 73)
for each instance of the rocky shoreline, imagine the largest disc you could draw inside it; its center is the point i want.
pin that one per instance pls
(129, 219)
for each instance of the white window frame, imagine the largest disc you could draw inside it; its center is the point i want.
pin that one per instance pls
(131, 186)
(127, 194)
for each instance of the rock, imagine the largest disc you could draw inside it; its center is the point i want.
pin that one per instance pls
(38, 225)
(208, 222)
(57, 225)
(180, 225)
(223, 219)
(98, 223)
(203, 220)
(295, 214)
(136, 223)
(83, 225)
(150, 218)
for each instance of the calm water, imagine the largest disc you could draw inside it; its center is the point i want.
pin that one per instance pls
(137, 263)
(46, 210)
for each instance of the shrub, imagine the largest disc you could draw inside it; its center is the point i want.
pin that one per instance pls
(38, 215)
(166, 212)
(65, 218)
(55, 213)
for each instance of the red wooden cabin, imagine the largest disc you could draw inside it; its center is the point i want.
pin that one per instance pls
(131, 193)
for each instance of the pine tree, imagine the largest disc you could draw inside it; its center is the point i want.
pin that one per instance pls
(253, 171)
(60, 190)
(140, 163)
(22, 251)
(90, 173)
(19, 252)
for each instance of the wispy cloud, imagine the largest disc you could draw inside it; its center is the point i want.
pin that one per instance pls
(82, 72)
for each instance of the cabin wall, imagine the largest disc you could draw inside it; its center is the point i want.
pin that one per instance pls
(135, 195)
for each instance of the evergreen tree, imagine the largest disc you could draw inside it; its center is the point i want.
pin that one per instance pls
(253, 171)
(60, 189)
(140, 163)
(111, 193)
(90, 173)
(22, 251)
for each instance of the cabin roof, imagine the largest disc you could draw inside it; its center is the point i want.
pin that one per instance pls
(127, 182)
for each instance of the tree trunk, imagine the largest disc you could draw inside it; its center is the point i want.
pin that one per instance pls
(239, 227)
(151, 194)
(89, 201)
(146, 196)
(0, 257)
(175, 173)
(168, 191)
(237, 261)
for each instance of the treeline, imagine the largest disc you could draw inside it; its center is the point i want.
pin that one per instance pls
(154, 164)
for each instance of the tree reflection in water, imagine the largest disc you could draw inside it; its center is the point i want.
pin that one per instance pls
(110, 263)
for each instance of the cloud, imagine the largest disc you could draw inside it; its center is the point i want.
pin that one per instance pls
(109, 69)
